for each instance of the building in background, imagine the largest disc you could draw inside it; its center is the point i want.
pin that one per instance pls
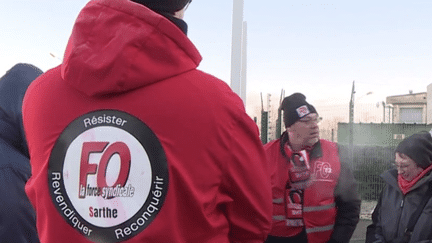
(408, 108)
(411, 108)
(397, 117)
(407, 114)
(429, 104)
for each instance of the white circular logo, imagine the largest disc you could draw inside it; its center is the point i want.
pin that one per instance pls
(108, 175)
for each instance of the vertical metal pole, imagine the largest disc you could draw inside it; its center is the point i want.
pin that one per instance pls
(236, 46)
(244, 64)
(269, 116)
(264, 123)
(351, 123)
(279, 118)
(351, 112)
(392, 114)
(389, 113)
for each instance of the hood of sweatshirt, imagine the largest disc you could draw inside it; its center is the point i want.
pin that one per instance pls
(119, 45)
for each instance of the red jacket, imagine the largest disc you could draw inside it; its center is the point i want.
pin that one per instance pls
(129, 142)
(318, 206)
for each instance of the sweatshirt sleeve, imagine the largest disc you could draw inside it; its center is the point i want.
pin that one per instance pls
(348, 206)
(247, 185)
(17, 218)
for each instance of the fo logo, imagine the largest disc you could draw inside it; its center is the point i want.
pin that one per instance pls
(322, 170)
(108, 175)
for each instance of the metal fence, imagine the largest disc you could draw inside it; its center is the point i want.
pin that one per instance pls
(372, 148)
(367, 163)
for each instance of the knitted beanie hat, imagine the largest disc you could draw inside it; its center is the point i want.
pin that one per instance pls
(164, 6)
(418, 147)
(295, 108)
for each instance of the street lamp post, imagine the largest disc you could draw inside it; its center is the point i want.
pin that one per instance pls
(351, 126)
(55, 57)
(351, 121)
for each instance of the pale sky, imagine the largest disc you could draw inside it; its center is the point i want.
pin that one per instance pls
(314, 47)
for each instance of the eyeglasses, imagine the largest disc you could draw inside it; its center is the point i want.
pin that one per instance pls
(309, 120)
(400, 167)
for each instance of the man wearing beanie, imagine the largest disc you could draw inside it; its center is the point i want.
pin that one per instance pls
(314, 192)
(408, 185)
(130, 142)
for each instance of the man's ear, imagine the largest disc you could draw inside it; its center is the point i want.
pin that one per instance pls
(179, 14)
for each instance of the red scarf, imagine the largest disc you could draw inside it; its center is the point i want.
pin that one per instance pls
(405, 185)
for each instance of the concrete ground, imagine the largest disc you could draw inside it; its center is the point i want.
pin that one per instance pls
(360, 232)
(365, 220)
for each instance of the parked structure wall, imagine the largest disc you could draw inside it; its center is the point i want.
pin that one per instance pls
(409, 108)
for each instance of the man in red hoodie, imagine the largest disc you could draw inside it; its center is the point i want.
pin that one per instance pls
(129, 142)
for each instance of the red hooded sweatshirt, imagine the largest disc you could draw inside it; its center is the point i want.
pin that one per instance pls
(129, 142)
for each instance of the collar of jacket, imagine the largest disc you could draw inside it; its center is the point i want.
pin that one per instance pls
(390, 176)
(178, 22)
(316, 151)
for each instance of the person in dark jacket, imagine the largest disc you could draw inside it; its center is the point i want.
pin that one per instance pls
(17, 218)
(406, 186)
(315, 195)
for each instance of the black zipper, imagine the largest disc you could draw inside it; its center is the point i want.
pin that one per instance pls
(400, 215)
